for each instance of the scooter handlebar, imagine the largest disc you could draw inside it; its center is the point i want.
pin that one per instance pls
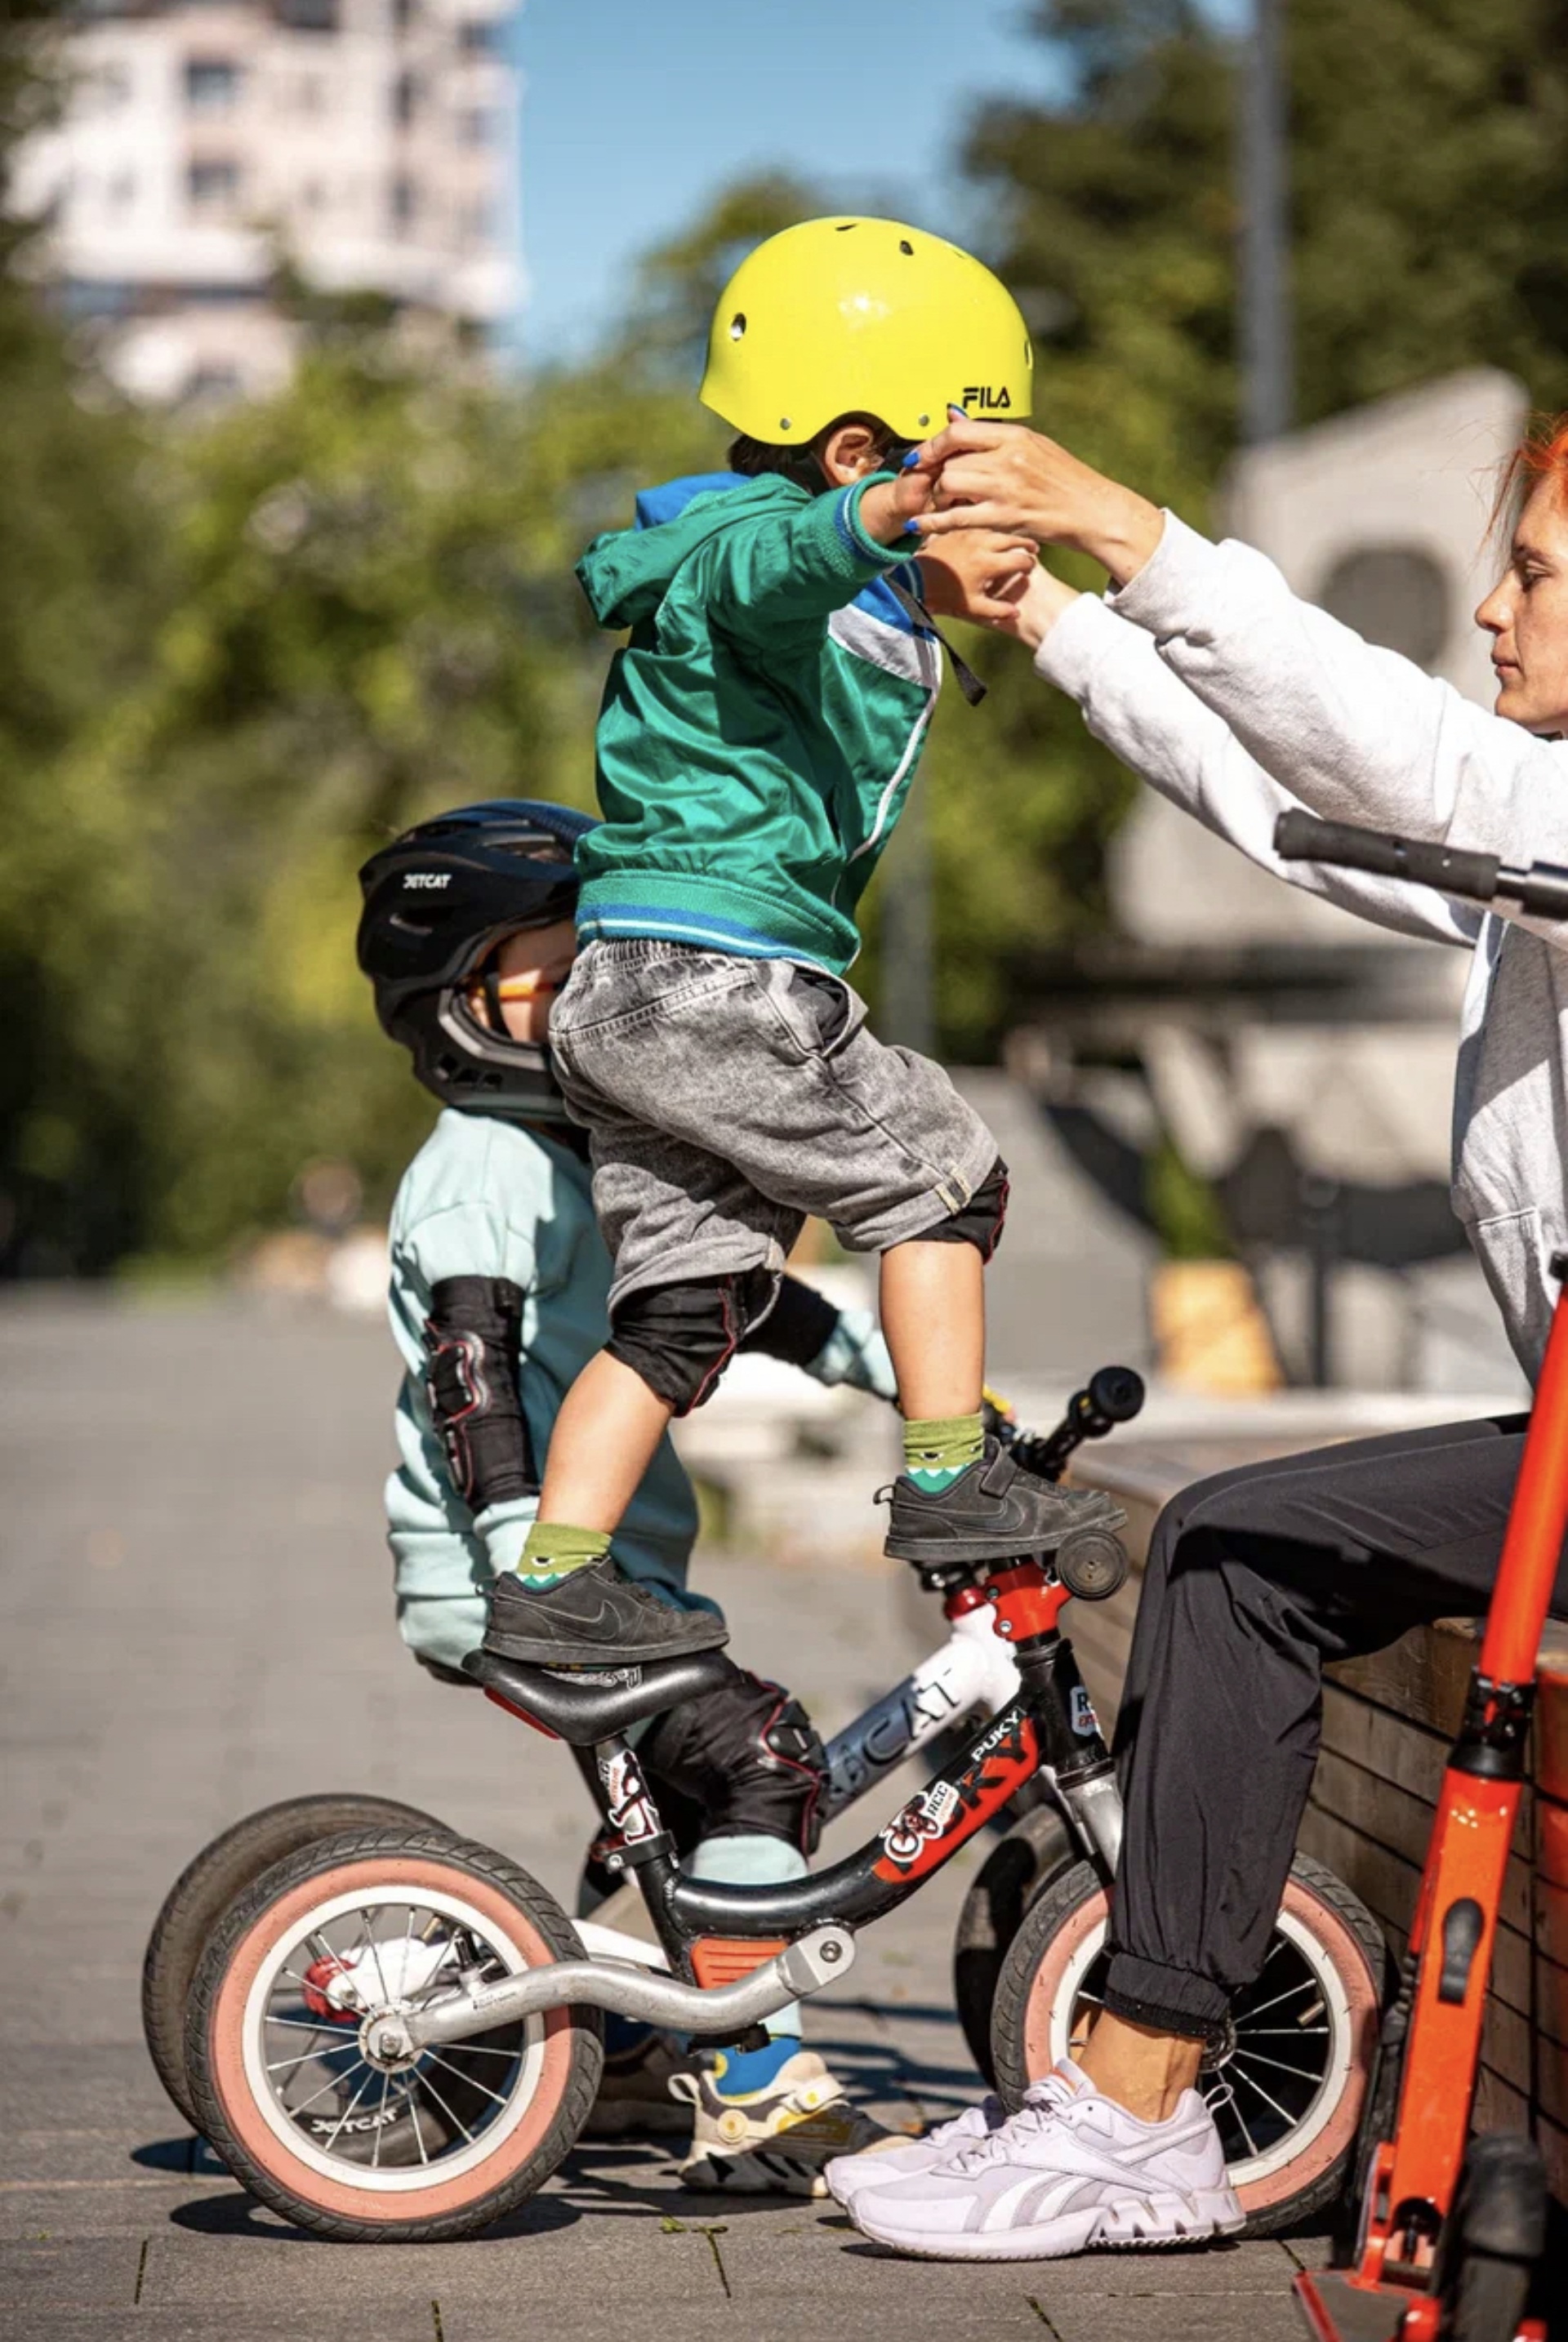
(1302, 837)
(1541, 889)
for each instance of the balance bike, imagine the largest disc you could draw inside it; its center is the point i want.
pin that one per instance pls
(401, 1970)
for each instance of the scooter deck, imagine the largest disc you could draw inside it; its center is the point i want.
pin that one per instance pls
(1338, 2310)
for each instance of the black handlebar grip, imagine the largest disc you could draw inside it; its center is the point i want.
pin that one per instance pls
(1116, 1393)
(1302, 837)
(1542, 890)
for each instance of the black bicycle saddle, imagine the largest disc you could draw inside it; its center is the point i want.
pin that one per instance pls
(598, 1703)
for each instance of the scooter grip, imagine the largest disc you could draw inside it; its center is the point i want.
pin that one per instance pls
(1302, 837)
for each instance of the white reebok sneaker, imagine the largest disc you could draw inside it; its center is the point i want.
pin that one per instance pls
(1069, 2170)
(848, 2176)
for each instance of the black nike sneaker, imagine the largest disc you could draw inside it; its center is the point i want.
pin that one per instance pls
(594, 1619)
(992, 1512)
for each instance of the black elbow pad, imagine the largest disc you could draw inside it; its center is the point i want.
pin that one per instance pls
(473, 1341)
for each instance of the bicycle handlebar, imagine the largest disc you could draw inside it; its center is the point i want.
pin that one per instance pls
(1542, 888)
(1114, 1395)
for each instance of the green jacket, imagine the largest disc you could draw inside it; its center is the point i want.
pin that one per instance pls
(760, 730)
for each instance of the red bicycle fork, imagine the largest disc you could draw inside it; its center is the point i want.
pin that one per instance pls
(1411, 2177)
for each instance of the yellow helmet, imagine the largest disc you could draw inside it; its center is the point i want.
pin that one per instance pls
(863, 317)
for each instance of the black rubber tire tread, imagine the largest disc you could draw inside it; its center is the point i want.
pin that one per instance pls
(1036, 1849)
(1057, 1904)
(208, 1883)
(587, 2048)
(1490, 2297)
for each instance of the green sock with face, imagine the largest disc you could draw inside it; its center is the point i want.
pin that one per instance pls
(939, 1448)
(554, 1551)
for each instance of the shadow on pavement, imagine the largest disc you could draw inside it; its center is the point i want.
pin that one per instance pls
(240, 2215)
(192, 2156)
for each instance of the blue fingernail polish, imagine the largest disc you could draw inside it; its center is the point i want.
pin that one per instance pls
(911, 460)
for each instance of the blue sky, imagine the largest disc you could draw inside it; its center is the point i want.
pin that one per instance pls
(635, 110)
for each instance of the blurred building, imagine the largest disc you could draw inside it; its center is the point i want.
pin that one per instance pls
(370, 143)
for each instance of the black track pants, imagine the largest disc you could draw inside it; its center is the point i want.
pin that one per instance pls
(1254, 1578)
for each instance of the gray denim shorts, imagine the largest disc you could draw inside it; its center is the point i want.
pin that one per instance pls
(725, 1099)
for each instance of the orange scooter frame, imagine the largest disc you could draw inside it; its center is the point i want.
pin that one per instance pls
(1402, 2283)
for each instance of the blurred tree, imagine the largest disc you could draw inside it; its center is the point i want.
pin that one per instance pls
(79, 570)
(370, 614)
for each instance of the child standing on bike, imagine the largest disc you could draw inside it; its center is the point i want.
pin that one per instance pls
(499, 1280)
(757, 739)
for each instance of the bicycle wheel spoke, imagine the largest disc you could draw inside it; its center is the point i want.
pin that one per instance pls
(1307, 1983)
(380, 2125)
(1242, 2122)
(477, 2049)
(1256, 2057)
(425, 2082)
(1243, 2075)
(320, 2025)
(1279, 2032)
(373, 1948)
(337, 2128)
(278, 2063)
(418, 2134)
(447, 2067)
(335, 2082)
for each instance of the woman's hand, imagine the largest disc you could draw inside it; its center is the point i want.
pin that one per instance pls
(1000, 476)
(977, 575)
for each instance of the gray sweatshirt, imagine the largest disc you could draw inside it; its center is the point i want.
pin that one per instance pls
(1236, 700)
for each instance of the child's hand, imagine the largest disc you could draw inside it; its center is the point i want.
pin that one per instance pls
(1028, 613)
(886, 509)
(977, 575)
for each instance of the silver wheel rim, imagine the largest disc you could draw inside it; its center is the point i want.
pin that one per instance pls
(1296, 2018)
(296, 2062)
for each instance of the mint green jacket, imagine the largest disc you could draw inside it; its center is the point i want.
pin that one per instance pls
(488, 1197)
(761, 729)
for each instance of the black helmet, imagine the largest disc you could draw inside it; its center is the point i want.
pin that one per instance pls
(437, 901)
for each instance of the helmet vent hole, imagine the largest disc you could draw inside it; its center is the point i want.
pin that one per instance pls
(737, 326)
(844, 226)
(905, 245)
(785, 423)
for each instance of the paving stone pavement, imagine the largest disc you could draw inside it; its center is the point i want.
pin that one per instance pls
(194, 1620)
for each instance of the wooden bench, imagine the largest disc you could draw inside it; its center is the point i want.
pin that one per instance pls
(1388, 1722)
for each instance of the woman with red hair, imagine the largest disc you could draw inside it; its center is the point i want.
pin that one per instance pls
(1204, 673)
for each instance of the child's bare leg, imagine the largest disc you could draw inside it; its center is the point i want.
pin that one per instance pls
(566, 1604)
(934, 1316)
(955, 1501)
(609, 1424)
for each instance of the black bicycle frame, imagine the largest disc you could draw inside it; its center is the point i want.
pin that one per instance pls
(1049, 1727)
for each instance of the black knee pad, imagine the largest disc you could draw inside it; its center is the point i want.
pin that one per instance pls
(749, 1756)
(681, 1338)
(978, 1222)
